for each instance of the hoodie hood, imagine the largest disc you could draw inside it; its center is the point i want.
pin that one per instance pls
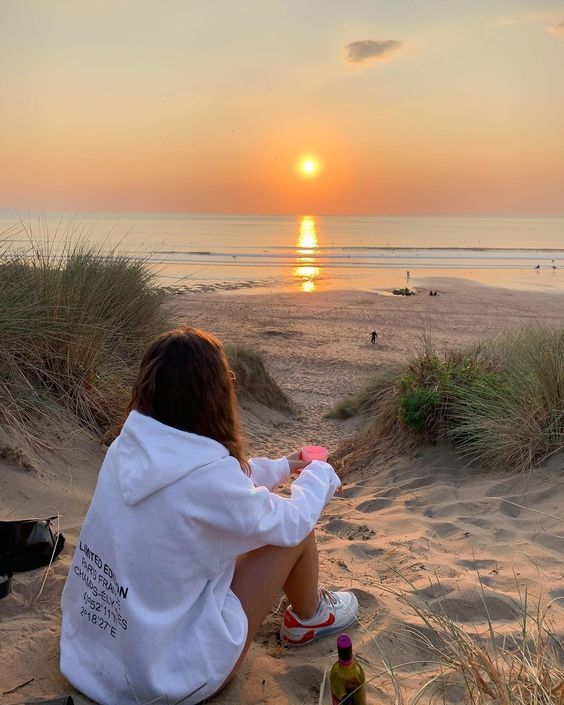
(151, 455)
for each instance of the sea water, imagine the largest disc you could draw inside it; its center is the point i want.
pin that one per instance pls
(310, 252)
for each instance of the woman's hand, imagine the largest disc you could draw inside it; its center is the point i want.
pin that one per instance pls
(296, 463)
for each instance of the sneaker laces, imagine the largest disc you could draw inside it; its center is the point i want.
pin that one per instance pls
(328, 596)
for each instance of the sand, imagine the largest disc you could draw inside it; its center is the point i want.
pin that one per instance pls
(422, 523)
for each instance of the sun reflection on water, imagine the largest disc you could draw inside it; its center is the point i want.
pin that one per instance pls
(307, 269)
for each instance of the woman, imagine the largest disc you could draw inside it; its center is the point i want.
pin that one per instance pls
(184, 547)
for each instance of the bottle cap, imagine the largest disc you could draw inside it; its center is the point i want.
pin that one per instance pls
(344, 649)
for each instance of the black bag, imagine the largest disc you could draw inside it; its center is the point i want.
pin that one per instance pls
(5, 584)
(28, 544)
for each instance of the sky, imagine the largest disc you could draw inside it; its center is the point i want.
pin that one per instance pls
(404, 107)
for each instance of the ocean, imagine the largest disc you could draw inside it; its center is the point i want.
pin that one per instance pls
(313, 253)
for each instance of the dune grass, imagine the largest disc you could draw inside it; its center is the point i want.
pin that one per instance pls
(518, 663)
(74, 323)
(254, 380)
(72, 327)
(501, 403)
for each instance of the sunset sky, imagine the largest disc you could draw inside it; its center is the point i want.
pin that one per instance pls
(212, 106)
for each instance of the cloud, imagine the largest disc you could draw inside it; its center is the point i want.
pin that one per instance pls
(371, 50)
(557, 30)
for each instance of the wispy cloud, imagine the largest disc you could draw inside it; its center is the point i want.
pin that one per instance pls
(368, 50)
(557, 30)
(548, 19)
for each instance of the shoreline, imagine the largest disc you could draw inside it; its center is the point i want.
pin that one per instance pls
(322, 285)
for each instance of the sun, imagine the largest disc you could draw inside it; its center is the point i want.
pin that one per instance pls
(309, 166)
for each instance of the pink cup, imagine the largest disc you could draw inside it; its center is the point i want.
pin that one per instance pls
(310, 453)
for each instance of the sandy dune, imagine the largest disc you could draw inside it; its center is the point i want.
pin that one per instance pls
(423, 524)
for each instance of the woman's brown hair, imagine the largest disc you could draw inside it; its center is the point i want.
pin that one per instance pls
(184, 382)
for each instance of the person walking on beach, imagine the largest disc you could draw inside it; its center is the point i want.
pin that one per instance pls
(374, 336)
(185, 548)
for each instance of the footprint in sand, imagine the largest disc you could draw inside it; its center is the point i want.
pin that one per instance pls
(307, 680)
(355, 491)
(450, 509)
(374, 505)
(551, 542)
(475, 607)
(434, 592)
(446, 529)
(479, 564)
(365, 599)
(347, 529)
(338, 527)
(363, 551)
(417, 483)
(510, 510)
(365, 487)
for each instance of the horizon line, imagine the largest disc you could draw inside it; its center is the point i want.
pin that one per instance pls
(74, 213)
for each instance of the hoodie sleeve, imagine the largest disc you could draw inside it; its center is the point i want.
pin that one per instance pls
(269, 473)
(245, 517)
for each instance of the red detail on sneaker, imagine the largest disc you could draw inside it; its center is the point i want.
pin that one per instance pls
(290, 621)
(327, 622)
(308, 636)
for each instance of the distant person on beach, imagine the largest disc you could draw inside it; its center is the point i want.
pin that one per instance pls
(538, 266)
(185, 548)
(408, 275)
(373, 337)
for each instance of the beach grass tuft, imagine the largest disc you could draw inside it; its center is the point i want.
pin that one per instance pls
(254, 381)
(73, 324)
(501, 403)
(517, 663)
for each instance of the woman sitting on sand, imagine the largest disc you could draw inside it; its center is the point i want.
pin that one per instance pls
(184, 547)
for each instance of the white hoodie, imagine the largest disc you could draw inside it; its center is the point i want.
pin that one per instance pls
(147, 608)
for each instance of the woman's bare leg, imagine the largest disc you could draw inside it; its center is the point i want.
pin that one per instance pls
(260, 576)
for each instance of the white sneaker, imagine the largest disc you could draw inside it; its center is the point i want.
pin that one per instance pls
(336, 610)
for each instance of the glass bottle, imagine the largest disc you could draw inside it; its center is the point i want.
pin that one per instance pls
(347, 679)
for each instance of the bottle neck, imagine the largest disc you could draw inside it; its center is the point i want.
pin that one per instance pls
(344, 650)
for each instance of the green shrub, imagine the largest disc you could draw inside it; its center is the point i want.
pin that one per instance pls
(501, 403)
(417, 406)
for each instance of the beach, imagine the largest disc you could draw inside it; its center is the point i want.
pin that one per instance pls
(422, 523)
